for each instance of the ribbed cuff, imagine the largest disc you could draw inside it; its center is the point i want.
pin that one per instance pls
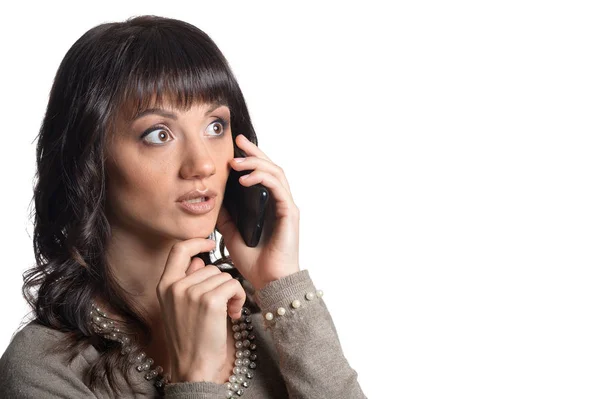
(293, 286)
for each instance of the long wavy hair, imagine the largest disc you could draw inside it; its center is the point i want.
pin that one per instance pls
(113, 67)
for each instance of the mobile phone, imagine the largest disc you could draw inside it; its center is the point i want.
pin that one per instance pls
(251, 208)
(248, 207)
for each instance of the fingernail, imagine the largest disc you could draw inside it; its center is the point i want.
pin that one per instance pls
(238, 160)
(244, 137)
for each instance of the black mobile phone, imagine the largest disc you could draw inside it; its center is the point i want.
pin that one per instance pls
(251, 208)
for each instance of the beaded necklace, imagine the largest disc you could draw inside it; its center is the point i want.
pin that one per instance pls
(244, 364)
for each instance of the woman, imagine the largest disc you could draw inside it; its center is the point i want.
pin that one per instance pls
(143, 123)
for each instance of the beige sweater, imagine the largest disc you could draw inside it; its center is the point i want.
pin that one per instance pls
(298, 356)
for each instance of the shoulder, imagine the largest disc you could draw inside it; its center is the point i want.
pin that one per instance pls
(36, 331)
(29, 367)
(33, 342)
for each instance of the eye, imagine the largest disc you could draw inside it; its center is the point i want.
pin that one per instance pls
(220, 131)
(162, 135)
(218, 126)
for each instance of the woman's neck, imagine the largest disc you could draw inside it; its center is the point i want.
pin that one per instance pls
(157, 348)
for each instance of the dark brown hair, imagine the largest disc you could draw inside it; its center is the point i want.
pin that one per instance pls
(112, 67)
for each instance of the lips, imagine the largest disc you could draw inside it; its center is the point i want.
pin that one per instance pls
(197, 194)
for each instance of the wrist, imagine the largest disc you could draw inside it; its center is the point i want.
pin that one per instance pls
(274, 277)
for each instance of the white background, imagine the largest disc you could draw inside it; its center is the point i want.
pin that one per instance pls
(444, 157)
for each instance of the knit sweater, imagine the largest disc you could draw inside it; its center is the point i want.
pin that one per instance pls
(298, 356)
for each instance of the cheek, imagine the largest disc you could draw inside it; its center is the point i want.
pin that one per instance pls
(135, 186)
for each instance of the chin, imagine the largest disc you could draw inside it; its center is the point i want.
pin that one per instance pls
(195, 230)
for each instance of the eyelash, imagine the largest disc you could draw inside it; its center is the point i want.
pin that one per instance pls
(161, 126)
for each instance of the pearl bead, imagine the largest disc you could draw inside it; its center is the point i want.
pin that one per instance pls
(281, 311)
(310, 296)
(295, 304)
(269, 316)
(319, 293)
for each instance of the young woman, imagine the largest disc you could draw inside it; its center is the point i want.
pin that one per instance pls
(143, 123)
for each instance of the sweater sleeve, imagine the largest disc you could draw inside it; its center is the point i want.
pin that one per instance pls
(310, 354)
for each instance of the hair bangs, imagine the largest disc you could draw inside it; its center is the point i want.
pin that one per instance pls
(172, 72)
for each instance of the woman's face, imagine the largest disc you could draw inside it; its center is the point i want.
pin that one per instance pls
(180, 151)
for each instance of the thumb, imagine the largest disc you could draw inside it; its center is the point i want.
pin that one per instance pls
(228, 229)
(225, 225)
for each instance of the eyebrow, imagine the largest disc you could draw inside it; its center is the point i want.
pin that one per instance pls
(167, 114)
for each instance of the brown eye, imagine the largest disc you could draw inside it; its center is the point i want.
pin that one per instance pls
(160, 135)
(218, 127)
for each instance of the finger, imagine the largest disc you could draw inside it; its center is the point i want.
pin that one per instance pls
(195, 264)
(283, 198)
(232, 293)
(180, 256)
(196, 277)
(208, 284)
(261, 164)
(249, 147)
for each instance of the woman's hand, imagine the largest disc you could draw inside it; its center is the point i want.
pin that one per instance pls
(278, 257)
(195, 300)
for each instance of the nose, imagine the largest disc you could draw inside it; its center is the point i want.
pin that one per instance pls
(198, 160)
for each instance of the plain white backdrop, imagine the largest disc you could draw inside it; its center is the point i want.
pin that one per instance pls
(444, 157)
